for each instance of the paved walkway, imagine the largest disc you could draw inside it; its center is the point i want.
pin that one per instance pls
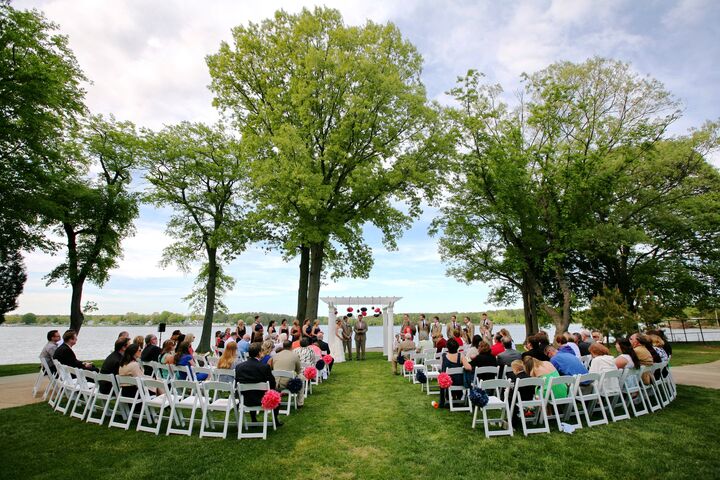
(16, 390)
(701, 375)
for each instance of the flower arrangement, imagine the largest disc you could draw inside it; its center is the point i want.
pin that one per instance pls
(409, 365)
(320, 364)
(478, 397)
(421, 377)
(444, 380)
(295, 385)
(310, 372)
(327, 359)
(270, 400)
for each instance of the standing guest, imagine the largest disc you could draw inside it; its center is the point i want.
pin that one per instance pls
(451, 326)
(229, 360)
(436, 329)
(486, 323)
(306, 354)
(347, 337)
(440, 344)
(252, 371)
(53, 337)
(151, 352)
(423, 328)
(240, 329)
(565, 363)
(361, 329)
(509, 355)
(271, 327)
(498, 346)
(65, 355)
(111, 365)
(404, 346)
(295, 331)
(257, 324)
(603, 362)
(451, 359)
(139, 341)
(284, 328)
(467, 324)
(129, 367)
(289, 361)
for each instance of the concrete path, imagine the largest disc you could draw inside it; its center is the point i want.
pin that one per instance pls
(16, 390)
(701, 375)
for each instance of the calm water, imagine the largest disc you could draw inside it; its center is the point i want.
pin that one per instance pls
(22, 344)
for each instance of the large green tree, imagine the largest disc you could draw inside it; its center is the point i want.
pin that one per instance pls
(533, 183)
(94, 212)
(12, 280)
(41, 97)
(339, 126)
(201, 173)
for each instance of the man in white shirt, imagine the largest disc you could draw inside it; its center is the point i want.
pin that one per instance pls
(48, 350)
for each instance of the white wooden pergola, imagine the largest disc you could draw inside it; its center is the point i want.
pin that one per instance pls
(387, 305)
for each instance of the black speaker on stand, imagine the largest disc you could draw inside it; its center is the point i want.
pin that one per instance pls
(161, 329)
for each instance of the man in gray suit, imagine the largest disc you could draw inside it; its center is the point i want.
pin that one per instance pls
(347, 337)
(423, 328)
(361, 328)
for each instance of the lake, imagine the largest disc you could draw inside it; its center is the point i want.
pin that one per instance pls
(22, 344)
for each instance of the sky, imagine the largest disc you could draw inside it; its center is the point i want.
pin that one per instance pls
(146, 62)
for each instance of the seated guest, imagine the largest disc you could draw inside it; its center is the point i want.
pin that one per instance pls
(404, 346)
(252, 371)
(53, 337)
(565, 363)
(537, 344)
(266, 351)
(175, 337)
(597, 336)
(306, 354)
(440, 343)
(151, 352)
(508, 356)
(665, 342)
(314, 347)
(65, 355)
(571, 344)
(545, 370)
(324, 347)
(112, 362)
(451, 359)
(472, 351)
(657, 344)
(167, 355)
(288, 360)
(645, 354)
(585, 342)
(526, 393)
(498, 346)
(183, 357)
(484, 358)
(506, 334)
(124, 334)
(603, 362)
(139, 341)
(129, 367)
(457, 336)
(190, 338)
(229, 360)
(220, 339)
(243, 345)
(561, 343)
(627, 357)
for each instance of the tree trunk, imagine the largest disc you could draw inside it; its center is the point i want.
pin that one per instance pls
(316, 259)
(303, 284)
(563, 323)
(204, 345)
(529, 306)
(76, 315)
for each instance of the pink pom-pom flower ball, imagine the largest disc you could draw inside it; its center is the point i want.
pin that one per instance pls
(310, 372)
(444, 380)
(270, 400)
(409, 365)
(327, 359)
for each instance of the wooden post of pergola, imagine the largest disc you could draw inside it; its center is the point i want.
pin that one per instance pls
(387, 305)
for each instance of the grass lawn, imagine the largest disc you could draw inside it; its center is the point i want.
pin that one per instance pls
(365, 423)
(22, 368)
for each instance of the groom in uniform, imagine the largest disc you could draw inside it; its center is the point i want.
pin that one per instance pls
(347, 337)
(360, 332)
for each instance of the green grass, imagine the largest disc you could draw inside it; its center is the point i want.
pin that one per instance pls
(22, 368)
(365, 423)
(692, 353)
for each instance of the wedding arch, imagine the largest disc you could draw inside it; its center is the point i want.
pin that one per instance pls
(386, 304)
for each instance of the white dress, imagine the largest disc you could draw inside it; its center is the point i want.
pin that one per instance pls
(336, 349)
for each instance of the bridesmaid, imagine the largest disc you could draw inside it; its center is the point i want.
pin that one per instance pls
(295, 332)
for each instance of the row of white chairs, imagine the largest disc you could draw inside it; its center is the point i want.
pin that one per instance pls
(596, 397)
(76, 392)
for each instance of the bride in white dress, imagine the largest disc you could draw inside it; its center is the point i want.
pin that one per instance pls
(336, 345)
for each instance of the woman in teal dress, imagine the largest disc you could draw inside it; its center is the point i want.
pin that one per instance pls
(546, 370)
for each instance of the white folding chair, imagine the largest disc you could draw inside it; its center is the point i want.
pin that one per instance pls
(612, 395)
(151, 368)
(57, 384)
(557, 403)
(586, 359)
(217, 397)
(86, 387)
(287, 397)
(485, 371)
(184, 395)
(68, 389)
(125, 405)
(164, 372)
(587, 394)
(537, 404)
(660, 385)
(44, 372)
(226, 375)
(432, 370)
(407, 355)
(102, 399)
(499, 401)
(630, 385)
(183, 372)
(268, 417)
(650, 390)
(155, 399)
(206, 370)
(462, 404)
